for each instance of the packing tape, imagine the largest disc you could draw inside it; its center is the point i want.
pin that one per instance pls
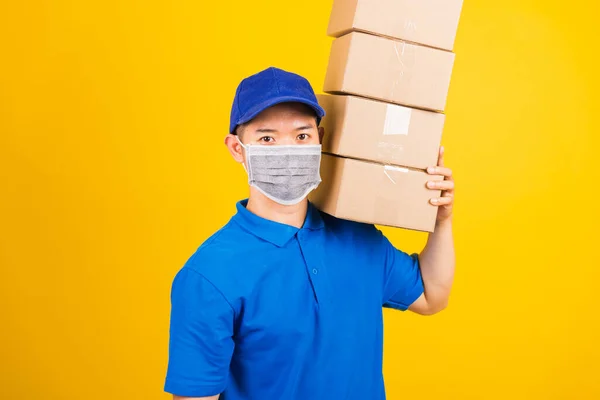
(388, 168)
(390, 151)
(386, 209)
(404, 58)
(397, 120)
(410, 25)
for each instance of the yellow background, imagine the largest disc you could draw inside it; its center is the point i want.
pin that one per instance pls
(113, 171)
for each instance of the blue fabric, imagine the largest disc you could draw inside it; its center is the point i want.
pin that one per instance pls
(264, 310)
(267, 88)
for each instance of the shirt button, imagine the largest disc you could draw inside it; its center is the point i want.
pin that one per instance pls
(315, 271)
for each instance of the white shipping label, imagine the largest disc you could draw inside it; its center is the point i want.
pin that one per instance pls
(397, 120)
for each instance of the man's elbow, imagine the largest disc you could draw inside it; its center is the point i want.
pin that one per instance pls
(433, 307)
(439, 307)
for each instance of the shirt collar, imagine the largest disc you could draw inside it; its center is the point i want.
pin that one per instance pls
(275, 232)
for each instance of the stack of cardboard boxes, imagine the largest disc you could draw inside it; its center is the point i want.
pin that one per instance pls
(388, 78)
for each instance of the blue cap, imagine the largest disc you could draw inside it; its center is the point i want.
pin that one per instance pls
(267, 88)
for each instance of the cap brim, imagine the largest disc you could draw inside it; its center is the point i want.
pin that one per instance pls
(254, 111)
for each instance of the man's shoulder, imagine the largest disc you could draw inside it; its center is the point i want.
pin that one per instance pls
(220, 249)
(221, 259)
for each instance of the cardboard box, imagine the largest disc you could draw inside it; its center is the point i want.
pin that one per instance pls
(429, 22)
(374, 193)
(389, 70)
(387, 133)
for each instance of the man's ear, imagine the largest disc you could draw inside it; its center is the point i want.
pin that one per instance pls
(321, 134)
(234, 147)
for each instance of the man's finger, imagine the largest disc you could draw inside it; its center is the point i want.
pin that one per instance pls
(442, 185)
(440, 171)
(441, 201)
(441, 157)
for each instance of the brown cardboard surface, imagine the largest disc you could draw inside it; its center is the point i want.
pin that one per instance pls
(373, 193)
(361, 128)
(429, 22)
(389, 70)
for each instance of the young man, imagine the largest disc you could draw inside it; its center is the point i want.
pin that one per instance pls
(285, 302)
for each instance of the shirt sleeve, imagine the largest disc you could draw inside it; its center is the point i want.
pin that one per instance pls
(402, 283)
(200, 337)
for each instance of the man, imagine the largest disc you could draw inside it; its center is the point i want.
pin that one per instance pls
(285, 302)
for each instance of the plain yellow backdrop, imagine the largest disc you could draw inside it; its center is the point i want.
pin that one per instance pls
(113, 171)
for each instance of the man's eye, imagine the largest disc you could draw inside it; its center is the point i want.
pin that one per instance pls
(266, 139)
(302, 136)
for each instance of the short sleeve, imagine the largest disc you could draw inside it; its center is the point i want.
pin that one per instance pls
(403, 283)
(200, 337)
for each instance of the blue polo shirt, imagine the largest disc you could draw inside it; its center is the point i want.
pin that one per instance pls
(264, 310)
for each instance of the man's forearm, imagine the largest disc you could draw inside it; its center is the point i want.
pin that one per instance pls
(437, 261)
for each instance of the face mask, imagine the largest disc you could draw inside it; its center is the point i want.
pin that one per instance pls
(285, 174)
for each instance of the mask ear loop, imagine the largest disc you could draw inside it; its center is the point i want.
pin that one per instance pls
(246, 149)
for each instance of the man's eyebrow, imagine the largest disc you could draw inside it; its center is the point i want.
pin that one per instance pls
(266, 130)
(304, 127)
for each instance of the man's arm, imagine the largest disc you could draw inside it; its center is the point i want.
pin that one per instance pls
(437, 260)
(201, 337)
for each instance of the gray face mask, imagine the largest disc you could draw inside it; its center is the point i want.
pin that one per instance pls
(285, 174)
